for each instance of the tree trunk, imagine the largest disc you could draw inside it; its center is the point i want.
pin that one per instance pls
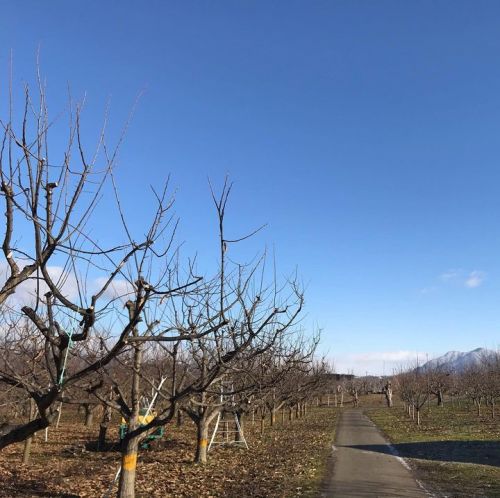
(89, 414)
(238, 436)
(262, 424)
(388, 397)
(101, 442)
(103, 428)
(272, 414)
(201, 441)
(179, 418)
(27, 443)
(126, 486)
(27, 450)
(290, 414)
(418, 416)
(59, 413)
(130, 445)
(439, 397)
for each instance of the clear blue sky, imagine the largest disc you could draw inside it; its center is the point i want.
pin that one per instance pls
(367, 134)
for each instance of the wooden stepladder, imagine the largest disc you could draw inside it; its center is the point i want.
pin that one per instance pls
(227, 430)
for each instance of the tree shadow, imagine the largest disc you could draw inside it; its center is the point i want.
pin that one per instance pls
(33, 489)
(94, 447)
(366, 489)
(478, 452)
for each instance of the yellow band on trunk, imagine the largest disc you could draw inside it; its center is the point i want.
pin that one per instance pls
(130, 461)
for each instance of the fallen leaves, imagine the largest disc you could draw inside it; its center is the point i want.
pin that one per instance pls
(285, 462)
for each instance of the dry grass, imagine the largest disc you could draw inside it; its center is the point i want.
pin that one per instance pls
(455, 452)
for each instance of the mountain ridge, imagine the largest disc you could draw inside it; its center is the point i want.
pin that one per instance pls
(458, 361)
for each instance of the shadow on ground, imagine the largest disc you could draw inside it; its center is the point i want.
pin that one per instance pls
(478, 452)
(30, 489)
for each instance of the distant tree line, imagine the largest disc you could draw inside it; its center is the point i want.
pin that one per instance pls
(478, 385)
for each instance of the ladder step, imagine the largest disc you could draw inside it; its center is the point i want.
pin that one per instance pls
(227, 442)
(224, 431)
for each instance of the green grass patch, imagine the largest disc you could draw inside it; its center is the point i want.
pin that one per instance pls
(454, 451)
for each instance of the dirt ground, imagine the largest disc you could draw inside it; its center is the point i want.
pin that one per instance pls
(287, 461)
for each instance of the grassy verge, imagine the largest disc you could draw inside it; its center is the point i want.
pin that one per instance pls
(455, 452)
(288, 461)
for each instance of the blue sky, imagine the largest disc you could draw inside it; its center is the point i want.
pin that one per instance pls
(366, 134)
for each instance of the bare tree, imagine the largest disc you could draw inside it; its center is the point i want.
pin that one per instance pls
(387, 390)
(474, 385)
(439, 381)
(206, 329)
(273, 378)
(353, 387)
(61, 287)
(76, 314)
(491, 367)
(413, 389)
(45, 301)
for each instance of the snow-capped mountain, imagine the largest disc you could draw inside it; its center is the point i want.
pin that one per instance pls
(456, 361)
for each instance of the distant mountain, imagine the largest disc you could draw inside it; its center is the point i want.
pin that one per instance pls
(456, 361)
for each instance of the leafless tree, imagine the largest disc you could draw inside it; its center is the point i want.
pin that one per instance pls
(413, 389)
(61, 288)
(206, 331)
(388, 393)
(473, 380)
(273, 379)
(257, 315)
(353, 388)
(439, 381)
(491, 368)
(77, 314)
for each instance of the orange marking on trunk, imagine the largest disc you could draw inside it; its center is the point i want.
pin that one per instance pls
(130, 461)
(203, 442)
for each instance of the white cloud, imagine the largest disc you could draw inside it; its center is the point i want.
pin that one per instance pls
(475, 279)
(378, 362)
(386, 356)
(451, 275)
(119, 288)
(26, 291)
(463, 278)
(68, 283)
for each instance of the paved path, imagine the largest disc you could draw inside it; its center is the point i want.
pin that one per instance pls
(363, 463)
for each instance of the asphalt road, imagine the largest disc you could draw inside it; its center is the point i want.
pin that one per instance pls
(363, 463)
